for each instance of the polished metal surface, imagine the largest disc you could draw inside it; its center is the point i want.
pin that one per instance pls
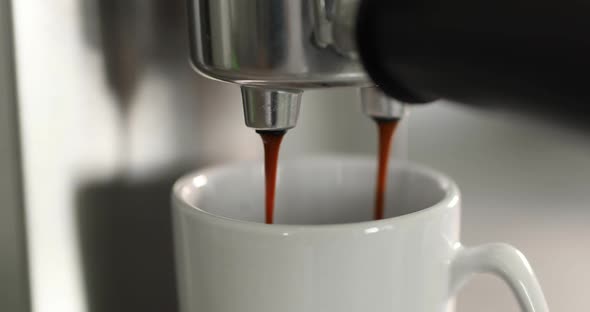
(268, 109)
(281, 43)
(377, 105)
(334, 25)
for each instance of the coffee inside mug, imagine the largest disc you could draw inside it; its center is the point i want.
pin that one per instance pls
(319, 190)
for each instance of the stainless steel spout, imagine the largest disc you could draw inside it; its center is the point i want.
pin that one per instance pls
(270, 109)
(377, 105)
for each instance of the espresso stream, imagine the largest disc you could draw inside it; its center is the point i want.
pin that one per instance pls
(386, 129)
(272, 143)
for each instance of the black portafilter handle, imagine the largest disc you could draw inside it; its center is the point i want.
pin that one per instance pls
(527, 55)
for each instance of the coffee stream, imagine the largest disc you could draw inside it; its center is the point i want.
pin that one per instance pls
(272, 143)
(386, 129)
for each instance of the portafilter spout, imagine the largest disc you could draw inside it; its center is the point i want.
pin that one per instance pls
(270, 109)
(377, 105)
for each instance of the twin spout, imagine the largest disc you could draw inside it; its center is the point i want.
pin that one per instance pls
(274, 109)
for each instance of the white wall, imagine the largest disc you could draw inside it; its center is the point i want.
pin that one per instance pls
(13, 277)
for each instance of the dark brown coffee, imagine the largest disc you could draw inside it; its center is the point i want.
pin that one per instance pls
(272, 143)
(386, 129)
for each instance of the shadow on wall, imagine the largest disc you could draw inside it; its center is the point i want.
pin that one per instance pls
(127, 244)
(124, 223)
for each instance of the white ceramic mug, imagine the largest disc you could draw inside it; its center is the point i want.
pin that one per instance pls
(326, 254)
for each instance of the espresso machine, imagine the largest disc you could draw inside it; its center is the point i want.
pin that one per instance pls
(99, 107)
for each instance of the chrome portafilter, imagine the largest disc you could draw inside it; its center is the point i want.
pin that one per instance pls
(275, 49)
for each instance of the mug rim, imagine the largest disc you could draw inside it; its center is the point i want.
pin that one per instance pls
(451, 197)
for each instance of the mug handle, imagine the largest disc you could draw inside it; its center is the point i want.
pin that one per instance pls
(504, 261)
